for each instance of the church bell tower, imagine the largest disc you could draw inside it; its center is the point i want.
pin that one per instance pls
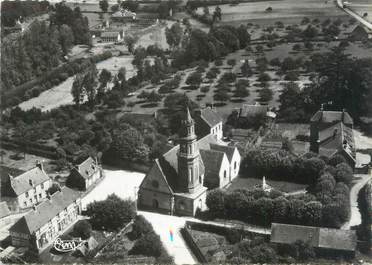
(189, 178)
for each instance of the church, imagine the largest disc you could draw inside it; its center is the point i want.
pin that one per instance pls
(178, 181)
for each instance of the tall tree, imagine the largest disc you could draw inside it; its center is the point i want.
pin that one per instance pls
(103, 4)
(77, 90)
(174, 35)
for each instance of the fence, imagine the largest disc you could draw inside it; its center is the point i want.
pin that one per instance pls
(192, 245)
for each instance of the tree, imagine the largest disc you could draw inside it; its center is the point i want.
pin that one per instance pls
(246, 69)
(243, 36)
(174, 35)
(215, 202)
(148, 245)
(104, 77)
(111, 214)
(128, 144)
(66, 38)
(217, 14)
(90, 84)
(344, 173)
(82, 229)
(130, 5)
(141, 227)
(336, 159)
(154, 97)
(130, 41)
(266, 94)
(103, 4)
(77, 89)
(221, 95)
(205, 11)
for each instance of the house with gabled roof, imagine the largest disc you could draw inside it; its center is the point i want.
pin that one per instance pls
(326, 239)
(25, 189)
(84, 175)
(331, 133)
(178, 180)
(46, 221)
(208, 121)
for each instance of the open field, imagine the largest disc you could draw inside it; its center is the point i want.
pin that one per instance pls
(287, 11)
(249, 183)
(360, 7)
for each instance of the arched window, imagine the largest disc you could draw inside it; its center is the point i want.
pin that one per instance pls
(224, 174)
(235, 165)
(200, 179)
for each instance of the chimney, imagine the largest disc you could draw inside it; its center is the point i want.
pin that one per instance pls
(39, 164)
(31, 182)
(34, 207)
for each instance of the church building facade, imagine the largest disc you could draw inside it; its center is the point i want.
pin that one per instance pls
(178, 181)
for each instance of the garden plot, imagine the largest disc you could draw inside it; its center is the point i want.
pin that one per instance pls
(285, 11)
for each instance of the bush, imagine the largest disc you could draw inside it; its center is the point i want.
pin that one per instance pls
(264, 77)
(147, 245)
(194, 78)
(111, 214)
(82, 229)
(234, 236)
(141, 227)
(291, 76)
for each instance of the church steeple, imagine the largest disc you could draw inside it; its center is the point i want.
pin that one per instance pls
(188, 156)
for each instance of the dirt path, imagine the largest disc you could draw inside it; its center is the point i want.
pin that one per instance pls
(355, 217)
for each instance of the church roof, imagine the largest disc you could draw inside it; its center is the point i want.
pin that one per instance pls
(212, 160)
(228, 150)
(210, 116)
(332, 116)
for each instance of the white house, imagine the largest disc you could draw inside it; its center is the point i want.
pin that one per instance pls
(208, 121)
(28, 188)
(233, 156)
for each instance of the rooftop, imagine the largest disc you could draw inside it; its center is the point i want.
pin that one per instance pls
(45, 211)
(110, 34)
(28, 180)
(210, 116)
(248, 110)
(317, 236)
(87, 168)
(332, 116)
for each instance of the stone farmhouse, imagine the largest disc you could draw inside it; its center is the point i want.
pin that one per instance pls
(26, 189)
(331, 133)
(178, 180)
(42, 225)
(84, 175)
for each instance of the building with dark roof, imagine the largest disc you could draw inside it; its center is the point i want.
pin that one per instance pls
(84, 175)
(111, 36)
(178, 180)
(256, 111)
(25, 189)
(48, 220)
(208, 121)
(331, 133)
(124, 15)
(361, 33)
(318, 237)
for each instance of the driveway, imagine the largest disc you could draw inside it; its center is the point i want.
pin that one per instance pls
(123, 183)
(163, 224)
(355, 217)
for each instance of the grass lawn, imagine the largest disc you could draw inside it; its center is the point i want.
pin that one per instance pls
(249, 183)
(285, 11)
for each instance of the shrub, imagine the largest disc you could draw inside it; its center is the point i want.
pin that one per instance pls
(147, 245)
(82, 229)
(233, 235)
(141, 226)
(218, 62)
(264, 77)
(291, 76)
(204, 89)
(111, 214)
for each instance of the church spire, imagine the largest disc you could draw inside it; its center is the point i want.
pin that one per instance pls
(188, 117)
